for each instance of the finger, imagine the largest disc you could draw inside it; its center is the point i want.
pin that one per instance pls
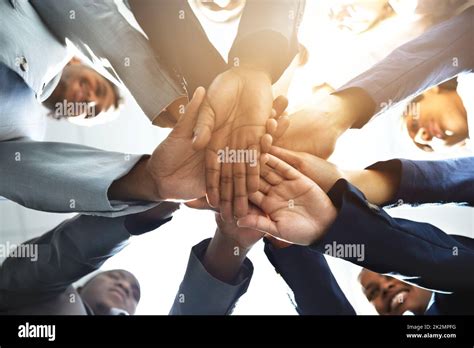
(240, 190)
(213, 173)
(282, 168)
(291, 157)
(264, 187)
(188, 120)
(270, 176)
(266, 143)
(200, 204)
(282, 127)
(259, 223)
(226, 192)
(280, 104)
(204, 126)
(271, 126)
(257, 198)
(253, 168)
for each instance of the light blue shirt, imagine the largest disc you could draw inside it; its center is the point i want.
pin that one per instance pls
(21, 116)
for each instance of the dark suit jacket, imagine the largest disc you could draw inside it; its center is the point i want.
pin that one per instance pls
(421, 253)
(268, 29)
(65, 254)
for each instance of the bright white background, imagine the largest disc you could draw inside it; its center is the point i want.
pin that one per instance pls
(159, 258)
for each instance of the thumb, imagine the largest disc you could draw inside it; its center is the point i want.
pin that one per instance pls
(204, 126)
(187, 121)
(200, 204)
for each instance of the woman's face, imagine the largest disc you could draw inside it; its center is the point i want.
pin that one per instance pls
(438, 119)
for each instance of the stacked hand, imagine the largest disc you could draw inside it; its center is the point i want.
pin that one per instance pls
(233, 115)
(296, 209)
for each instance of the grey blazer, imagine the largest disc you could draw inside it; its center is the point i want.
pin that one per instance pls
(33, 40)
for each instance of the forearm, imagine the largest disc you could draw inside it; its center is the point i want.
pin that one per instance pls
(152, 85)
(379, 187)
(203, 294)
(394, 245)
(354, 107)
(224, 257)
(435, 56)
(81, 176)
(267, 35)
(308, 275)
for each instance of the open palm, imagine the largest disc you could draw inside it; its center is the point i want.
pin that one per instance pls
(297, 209)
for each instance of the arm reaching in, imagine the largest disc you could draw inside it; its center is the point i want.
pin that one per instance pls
(229, 247)
(174, 170)
(378, 185)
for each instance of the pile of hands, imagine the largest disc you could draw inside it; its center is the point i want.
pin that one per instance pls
(283, 195)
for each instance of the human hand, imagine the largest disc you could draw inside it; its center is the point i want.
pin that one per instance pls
(244, 238)
(177, 169)
(233, 117)
(297, 210)
(379, 186)
(316, 128)
(322, 172)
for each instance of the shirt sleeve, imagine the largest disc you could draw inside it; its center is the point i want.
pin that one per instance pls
(443, 181)
(101, 33)
(58, 258)
(269, 30)
(307, 273)
(202, 294)
(435, 56)
(415, 252)
(65, 178)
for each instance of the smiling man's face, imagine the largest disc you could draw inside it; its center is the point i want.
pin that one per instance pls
(112, 289)
(391, 296)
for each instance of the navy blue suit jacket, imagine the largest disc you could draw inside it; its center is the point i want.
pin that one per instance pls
(421, 253)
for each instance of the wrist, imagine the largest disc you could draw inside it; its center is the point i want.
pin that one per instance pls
(252, 72)
(330, 215)
(354, 108)
(224, 257)
(138, 184)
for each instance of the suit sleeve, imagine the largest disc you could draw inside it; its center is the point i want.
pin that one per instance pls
(417, 252)
(268, 33)
(97, 28)
(446, 181)
(202, 294)
(308, 275)
(435, 56)
(48, 265)
(58, 258)
(64, 178)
